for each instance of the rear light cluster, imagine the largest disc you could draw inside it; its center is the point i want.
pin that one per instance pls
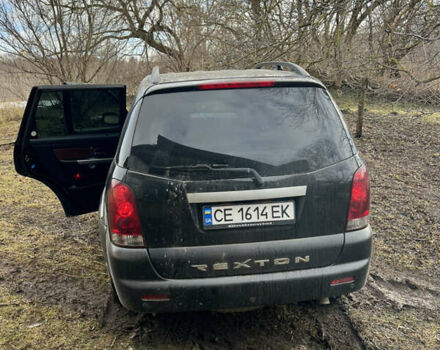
(358, 213)
(237, 85)
(125, 228)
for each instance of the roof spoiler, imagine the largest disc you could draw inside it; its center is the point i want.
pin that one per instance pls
(280, 65)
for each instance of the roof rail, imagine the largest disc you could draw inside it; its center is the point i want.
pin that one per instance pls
(280, 65)
(155, 75)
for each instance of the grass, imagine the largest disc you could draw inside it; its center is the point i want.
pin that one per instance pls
(32, 325)
(38, 206)
(10, 119)
(8, 114)
(433, 118)
(37, 238)
(348, 103)
(406, 329)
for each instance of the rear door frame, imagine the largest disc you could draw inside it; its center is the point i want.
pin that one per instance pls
(23, 142)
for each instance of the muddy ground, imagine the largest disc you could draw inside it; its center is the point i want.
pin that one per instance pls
(54, 291)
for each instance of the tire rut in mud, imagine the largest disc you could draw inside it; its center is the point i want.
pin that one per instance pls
(302, 326)
(337, 328)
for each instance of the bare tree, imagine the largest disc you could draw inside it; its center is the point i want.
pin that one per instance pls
(57, 42)
(341, 41)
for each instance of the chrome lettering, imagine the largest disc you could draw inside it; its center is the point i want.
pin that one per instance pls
(281, 261)
(220, 266)
(299, 259)
(238, 264)
(261, 262)
(202, 267)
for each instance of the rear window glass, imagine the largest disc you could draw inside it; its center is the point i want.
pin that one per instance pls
(277, 130)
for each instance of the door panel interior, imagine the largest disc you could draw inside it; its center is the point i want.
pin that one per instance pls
(68, 138)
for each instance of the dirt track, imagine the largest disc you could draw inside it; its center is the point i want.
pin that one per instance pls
(54, 282)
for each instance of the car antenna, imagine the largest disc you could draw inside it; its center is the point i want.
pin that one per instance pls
(155, 75)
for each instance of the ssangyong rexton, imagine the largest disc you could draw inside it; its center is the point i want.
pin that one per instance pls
(220, 189)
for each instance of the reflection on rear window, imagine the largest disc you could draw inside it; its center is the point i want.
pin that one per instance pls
(268, 127)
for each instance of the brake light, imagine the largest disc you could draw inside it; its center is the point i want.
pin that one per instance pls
(237, 85)
(358, 213)
(125, 228)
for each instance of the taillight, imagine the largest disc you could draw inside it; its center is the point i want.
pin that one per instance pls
(359, 210)
(237, 85)
(125, 228)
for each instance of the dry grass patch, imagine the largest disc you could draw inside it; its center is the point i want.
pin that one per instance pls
(10, 119)
(26, 324)
(406, 329)
(8, 114)
(35, 230)
(53, 282)
(432, 118)
(348, 103)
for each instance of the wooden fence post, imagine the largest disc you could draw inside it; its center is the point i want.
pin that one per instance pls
(361, 108)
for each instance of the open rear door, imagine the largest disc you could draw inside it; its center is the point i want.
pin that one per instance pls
(68, 138)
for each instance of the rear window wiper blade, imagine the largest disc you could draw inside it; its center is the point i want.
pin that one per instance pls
(201, 166)
(214, 167)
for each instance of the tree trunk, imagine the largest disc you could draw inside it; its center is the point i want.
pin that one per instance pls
(361, 108)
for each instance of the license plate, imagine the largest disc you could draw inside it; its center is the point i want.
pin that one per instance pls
(246, 215)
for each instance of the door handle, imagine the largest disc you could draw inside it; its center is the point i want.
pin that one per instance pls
(99, 153)
(94, 161)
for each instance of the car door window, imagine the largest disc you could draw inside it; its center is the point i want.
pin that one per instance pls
(94, 111)
(49, 116)
(78, 111)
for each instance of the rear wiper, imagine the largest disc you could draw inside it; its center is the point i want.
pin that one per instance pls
(214, 167)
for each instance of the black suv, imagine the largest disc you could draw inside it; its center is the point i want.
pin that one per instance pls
(220, 189)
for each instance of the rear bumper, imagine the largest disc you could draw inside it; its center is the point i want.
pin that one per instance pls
(134, 277)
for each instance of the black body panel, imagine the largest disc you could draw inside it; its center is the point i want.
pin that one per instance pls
(223, 128)
(169, 220)
(134, 276)
(176, 239)
(246, 258)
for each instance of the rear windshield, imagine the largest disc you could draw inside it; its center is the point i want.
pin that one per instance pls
(277, 130)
